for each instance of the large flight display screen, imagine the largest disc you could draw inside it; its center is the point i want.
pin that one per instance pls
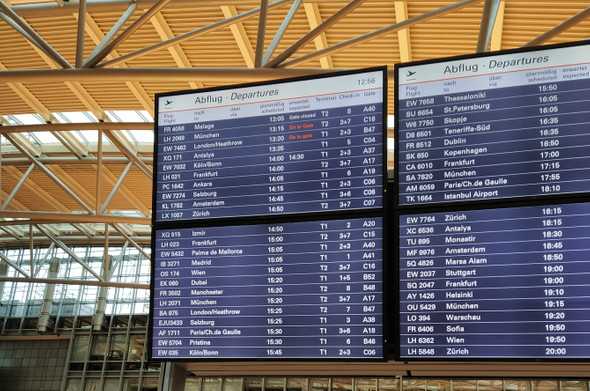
(511, 283)
(492, 127)
(313, 145)
(297, 290)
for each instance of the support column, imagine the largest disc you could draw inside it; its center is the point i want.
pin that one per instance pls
(45, 313)
(101, 305)
(101, 300)
(3, 273)
(174, 377)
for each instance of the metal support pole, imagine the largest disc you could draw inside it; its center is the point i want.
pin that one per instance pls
(115, 188)
(48, 298)
(31, 251)
(17, 187)
(101, 300)
(50, 174)
(14, 266)
(33, 36)
(281, 31)
(261, 33)
(80, 36)
(97, 209)
(381, 31)
(351, 6)
(125, 34)
(68, 251)
(189, 35)
(560, 28)
(112, 32)
(488, 19)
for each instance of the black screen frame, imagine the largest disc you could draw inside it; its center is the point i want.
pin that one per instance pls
(455, 206)
(384, 213)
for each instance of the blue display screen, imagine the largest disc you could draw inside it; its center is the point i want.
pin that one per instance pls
(496, 283)
(293, 290)
(494, 127)
(285, 148)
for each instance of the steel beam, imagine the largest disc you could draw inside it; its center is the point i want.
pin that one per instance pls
(112, 32)
(381, 31)
(144, 99)
(189, 35)
(281, 31)
(115, 188)
(60, 217)
(17, 187)
(31, 34)
(156, 74)
(68, 251)
(50, 174)
(137, 24)
(560, 28)
(279, 59)
(261, 33)
(45, 311)
(129, 153)
(80, 34)
(12, 265)
(120, 230)
(73, 127)
(61, 281)
(488, 20)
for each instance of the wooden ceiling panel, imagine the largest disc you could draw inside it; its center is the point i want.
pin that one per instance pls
(447, 35)
(112, 96)
(522, 22)
(10, 103)
(55, 96)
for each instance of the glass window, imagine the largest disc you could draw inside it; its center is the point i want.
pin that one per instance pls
(464, 385)
(274, 384)
(192, 384)
(414, 385)
(111, 385)
(489, 385)
(516, 385)
(91, 385)
(296, 384)
(135, 347)
(438, 385)
(73, 385)
(80, 348)
(573, 385)
(232, 384)
(211, 384)
(388, 384)
(99, 347)
(118, 347)
(252, 384)
(545, 385)
(319, 384)
(342, 384)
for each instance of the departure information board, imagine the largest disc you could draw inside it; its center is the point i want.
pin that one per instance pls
(308, 290)
(313, 145)
(496, 126)
(496, 283)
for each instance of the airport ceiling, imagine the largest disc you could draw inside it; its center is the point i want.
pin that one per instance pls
(50, 171)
